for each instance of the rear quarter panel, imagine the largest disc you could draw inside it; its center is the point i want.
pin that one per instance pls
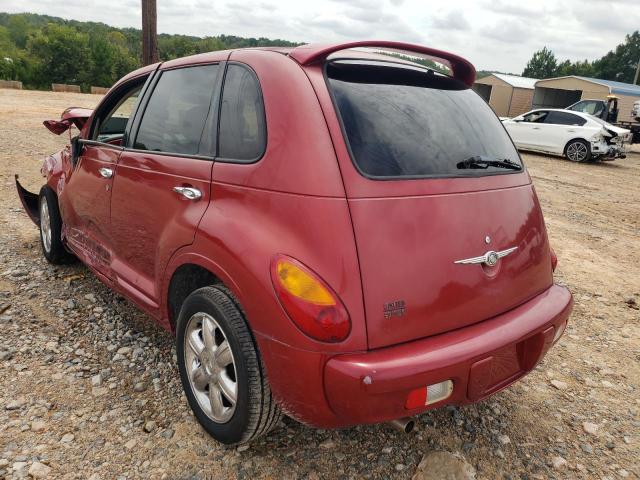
(290, 202)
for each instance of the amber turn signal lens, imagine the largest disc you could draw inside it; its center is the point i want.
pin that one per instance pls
(309, 302)
(300, 284)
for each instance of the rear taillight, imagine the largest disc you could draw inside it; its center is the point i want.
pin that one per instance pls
(554, 259)
(310, 303)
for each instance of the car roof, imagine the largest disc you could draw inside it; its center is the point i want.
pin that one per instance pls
(309, 54)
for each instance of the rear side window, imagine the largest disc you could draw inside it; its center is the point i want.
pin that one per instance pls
(562, 118)
(175, 116)
(243, 133)
(401, 121)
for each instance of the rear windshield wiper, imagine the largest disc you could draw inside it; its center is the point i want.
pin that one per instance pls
(483, 162)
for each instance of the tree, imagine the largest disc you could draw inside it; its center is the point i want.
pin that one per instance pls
(583, 69)
(103, 55)
(39, 50)
(63, 55)
(18, 28)
(620, 64)
(543, 64)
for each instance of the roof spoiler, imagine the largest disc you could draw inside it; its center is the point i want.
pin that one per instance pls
(462, 69)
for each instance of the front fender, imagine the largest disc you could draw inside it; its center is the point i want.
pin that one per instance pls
(53, 169)
(30, 202)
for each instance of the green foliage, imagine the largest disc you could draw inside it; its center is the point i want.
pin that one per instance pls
(582, 69)
(543, 64)
(619, 64)
(40, 50)
(63, 55)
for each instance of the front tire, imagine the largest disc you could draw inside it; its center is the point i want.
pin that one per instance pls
(51, 229)
(221, 370)
(578, 151)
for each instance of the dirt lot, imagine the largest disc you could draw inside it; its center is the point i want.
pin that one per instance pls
(89, 387)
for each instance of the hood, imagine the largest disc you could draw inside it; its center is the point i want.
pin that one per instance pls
(71, 116)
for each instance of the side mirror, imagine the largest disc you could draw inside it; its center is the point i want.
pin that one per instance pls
(518, 119)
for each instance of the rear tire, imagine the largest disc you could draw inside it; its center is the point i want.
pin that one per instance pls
(228, 392)
(51, 229)
(578, 151)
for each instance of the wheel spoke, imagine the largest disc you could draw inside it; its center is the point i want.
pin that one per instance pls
(200, 378)
(208, 335)
(223, 354)
(228, 387)
(215, 399)
(195, 343)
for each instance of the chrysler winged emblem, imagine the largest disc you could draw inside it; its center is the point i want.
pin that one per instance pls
(490, 258)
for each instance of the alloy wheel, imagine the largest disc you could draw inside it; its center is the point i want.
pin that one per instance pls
(577, 152)
(45, 225)
(210, 367)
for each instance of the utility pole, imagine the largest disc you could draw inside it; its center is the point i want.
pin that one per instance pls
(637, 77)
(149, 33)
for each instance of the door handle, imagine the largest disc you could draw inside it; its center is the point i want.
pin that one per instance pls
(188, 192)
(106, 172)
(536, 128)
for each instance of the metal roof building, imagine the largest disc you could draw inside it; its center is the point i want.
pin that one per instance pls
(564, 91)
(508, 95)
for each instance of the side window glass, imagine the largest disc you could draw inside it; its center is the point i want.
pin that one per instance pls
(562, 118)
(175, 116)
(535, 117)
(111, 127)
(242, 120)
(553, 118)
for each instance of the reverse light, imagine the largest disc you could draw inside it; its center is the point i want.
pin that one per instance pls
(423, 396)
(309, 301)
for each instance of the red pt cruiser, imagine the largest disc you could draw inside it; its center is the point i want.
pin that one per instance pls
(330, 231)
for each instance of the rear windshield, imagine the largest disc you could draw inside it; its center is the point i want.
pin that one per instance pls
(407, 122)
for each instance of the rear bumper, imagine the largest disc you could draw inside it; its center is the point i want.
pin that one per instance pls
(605, 151)
(480, 360)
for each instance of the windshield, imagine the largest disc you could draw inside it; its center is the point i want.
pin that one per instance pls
(404, 122)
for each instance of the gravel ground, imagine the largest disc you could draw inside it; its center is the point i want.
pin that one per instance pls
(89, 386)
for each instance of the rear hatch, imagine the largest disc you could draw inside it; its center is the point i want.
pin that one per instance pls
(436, 181)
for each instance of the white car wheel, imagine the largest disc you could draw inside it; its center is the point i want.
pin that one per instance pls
(578, 151)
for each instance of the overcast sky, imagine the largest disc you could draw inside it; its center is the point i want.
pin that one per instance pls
(493, 34)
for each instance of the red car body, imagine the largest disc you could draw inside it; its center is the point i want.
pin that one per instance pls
(385, 247)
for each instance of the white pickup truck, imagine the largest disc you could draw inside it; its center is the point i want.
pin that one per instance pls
(607, 110)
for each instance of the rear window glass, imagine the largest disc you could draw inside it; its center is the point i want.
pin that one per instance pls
(410, 122)
(175, 117)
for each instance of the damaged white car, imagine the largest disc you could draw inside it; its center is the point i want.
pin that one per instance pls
(578, 136)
